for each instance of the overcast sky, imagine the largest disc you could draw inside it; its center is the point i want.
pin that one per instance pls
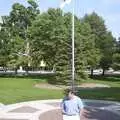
(108, 9)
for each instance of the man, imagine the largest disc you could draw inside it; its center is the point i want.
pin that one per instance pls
(72, 106)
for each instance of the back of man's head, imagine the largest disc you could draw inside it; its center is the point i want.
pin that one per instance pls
(67, 91)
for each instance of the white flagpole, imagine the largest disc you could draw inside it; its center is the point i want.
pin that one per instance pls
(73, 48)
(73, 41)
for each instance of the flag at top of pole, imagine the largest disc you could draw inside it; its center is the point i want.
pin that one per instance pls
(64, 2)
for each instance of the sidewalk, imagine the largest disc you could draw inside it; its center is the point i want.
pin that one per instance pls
(50, 110)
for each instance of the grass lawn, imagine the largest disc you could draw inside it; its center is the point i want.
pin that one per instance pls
(13, 90)
(112, 93)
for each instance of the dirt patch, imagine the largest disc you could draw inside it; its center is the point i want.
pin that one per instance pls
(93, 85)
(84, 85)
(50, 86)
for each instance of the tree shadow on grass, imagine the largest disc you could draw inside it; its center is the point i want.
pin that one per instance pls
(111, 78)
(37, 76)
(49, 78)
(110, 94)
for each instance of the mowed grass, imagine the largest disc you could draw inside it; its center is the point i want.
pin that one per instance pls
(14, 90)
(112, 93)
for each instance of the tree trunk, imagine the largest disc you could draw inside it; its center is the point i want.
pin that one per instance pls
(91, 72)
(15, 71)
(103, 73)
(27, 69)
(4, 68)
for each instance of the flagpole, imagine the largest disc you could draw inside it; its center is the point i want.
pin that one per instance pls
(73, 41)
(73, 47)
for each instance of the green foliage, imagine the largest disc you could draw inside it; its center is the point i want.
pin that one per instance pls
(51, 41)
(107, 51)
(4, 42)
(104, 40)
(116, 56)
(116, 61)
(27, 37)
(16, 30)
(48, 41)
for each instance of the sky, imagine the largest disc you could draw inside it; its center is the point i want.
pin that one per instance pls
(108, 9)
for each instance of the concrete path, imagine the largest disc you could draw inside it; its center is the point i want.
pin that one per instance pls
(50, 110)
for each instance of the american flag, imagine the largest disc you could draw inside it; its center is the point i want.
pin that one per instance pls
(64, 2)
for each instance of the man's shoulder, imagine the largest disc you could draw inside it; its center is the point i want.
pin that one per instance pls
(77, 98)
(79, 101)
(65, 98)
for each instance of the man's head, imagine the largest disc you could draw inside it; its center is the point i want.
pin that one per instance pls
(69, 93)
